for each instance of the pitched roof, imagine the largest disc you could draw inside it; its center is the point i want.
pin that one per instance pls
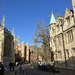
(52, 20)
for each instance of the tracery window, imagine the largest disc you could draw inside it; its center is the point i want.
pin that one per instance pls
(53, 30)
(73, 52)
(59, 40)
(67, 54)
(69, 36)
(7, 46)
(57, 28)
(54, 42)
(59, 55)
(68, 21)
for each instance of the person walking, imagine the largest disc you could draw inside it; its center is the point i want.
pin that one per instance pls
(23, 68)
(1, 69)
(13, 66)
(10, 66)
(20, 68)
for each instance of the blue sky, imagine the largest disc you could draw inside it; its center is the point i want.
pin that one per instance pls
(23, 15)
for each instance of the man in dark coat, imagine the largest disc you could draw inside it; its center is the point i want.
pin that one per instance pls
(13, 66)
(1, 69)
(10, 66)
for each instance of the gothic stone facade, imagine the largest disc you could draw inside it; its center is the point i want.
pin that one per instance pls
(24, 49)
(7, 53)
(62, 39)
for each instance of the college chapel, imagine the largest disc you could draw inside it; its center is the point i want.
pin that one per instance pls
(9, 46)
(6, 44)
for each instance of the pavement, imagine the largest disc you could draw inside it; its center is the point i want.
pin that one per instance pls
(9, 73)
(66, 71)
(61, 71)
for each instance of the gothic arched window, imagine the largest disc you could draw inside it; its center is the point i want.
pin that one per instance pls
(7, 46)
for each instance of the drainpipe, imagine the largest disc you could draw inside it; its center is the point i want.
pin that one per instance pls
(56, 50)
(64, 46)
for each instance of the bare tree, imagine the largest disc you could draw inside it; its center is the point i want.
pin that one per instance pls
(42, 36)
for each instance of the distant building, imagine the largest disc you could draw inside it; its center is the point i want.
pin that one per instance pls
(34, 57)
(27, 54)
(22, 48)
(62, 41)
(40, 57)
(7, 52)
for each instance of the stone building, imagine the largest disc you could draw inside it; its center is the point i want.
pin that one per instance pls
(22, 48)
(27, 52)
(62, 41)
(7, 53)
(40, 52)
(34, 55)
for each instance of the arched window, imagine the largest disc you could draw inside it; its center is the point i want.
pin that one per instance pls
(68, 21)
(7, 46)
(59, 55)
(67, 54)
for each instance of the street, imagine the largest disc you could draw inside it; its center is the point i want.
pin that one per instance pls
(32, 71)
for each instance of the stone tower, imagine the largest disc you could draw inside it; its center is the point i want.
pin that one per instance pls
(73, 4)
(52, 33)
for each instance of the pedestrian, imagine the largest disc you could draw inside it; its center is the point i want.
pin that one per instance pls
(10, 66)
(16, 70)
(20, 68)
(1, 69)
(7, 67)
(13, 66)
(23, 68)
